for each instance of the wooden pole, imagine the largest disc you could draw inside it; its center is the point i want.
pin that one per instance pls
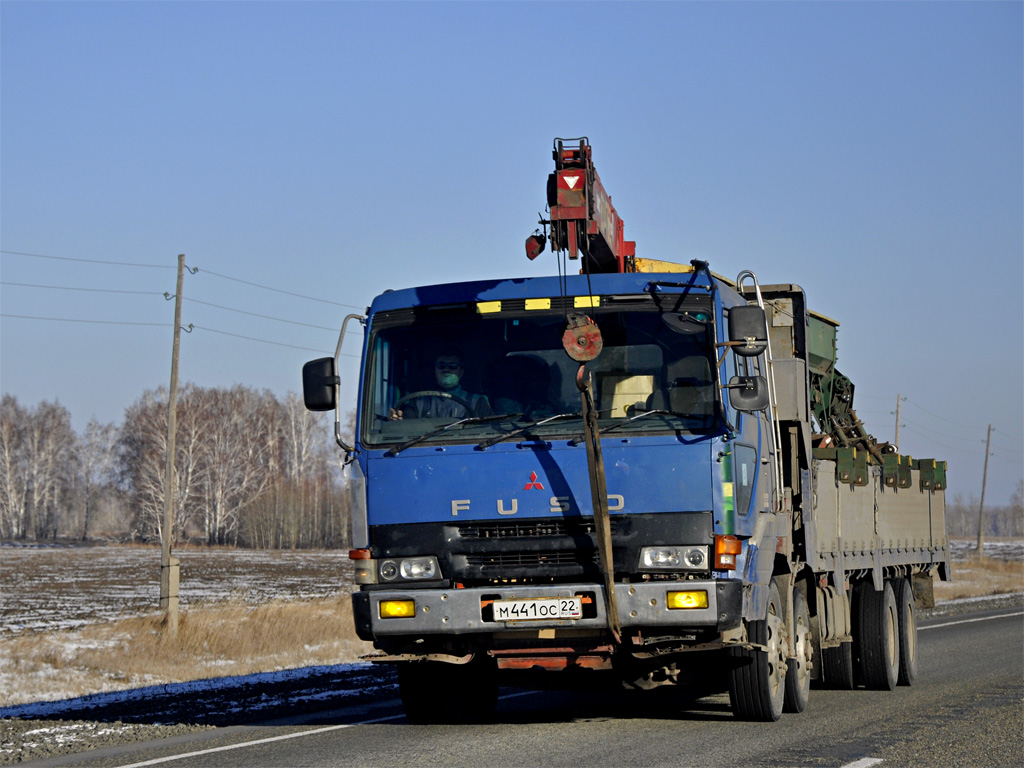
(169, 565)
(981, 506)
(899, 400)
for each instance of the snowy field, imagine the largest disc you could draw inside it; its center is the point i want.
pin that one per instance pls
(54, 588)
(1008, 550)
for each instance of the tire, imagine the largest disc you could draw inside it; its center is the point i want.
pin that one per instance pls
(837, 667)
(906, 612)
(757, 684)
(798, 672)
(878, 636)
(435, 692)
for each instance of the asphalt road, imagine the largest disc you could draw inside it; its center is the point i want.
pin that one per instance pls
(966, 709)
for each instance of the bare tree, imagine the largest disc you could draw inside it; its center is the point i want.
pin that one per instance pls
(249, 469)
(47, 452)
(96, 462)
(142, 448)
(240, 446)
(13, 483)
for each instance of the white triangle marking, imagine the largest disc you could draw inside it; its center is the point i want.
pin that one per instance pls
(571, 181)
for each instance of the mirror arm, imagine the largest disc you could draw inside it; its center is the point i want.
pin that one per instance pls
(348, 449)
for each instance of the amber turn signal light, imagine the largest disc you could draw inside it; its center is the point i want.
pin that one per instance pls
(726, 550)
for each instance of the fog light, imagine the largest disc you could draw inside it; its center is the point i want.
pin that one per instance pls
(697, 598)
(397, 609)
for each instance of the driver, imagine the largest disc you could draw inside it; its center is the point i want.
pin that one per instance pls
(450, 399)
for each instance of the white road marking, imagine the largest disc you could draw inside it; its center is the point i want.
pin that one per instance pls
(864, 762)
(229, 747)
(326, 729)
(971, 621)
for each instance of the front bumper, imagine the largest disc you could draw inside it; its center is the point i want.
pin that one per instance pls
(463, 611)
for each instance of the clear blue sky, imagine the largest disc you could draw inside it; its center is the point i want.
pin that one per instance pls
(870, 152)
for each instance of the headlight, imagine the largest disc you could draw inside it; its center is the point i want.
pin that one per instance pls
(419, 568)
(674, 558)
(409, 569)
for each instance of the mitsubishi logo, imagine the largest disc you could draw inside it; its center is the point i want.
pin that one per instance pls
(534, 483)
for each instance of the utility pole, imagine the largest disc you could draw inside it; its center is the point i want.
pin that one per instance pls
(169, 565)
(981, 506)
(899, 399)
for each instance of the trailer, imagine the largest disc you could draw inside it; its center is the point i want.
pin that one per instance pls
(644, 474)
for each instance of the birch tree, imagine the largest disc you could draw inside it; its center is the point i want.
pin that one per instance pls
(96, 463)
(13, 485)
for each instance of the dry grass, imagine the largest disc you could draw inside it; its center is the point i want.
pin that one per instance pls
(212, 641)
(980, 578)
(233, 638)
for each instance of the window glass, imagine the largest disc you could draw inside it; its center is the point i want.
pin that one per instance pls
(503, 370)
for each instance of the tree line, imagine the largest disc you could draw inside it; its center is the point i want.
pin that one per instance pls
(250, 470)
(1000, 521)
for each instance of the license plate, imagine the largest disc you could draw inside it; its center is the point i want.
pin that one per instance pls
(538, 609)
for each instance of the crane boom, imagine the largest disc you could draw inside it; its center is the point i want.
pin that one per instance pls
(582, 218)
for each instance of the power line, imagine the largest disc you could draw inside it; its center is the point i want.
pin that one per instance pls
(277, 290)
(168, 266)
(940, 434)
(168, 296)
(264, 341)
(169, 325)
(265, 317)
(75, 288)
(75, 320)
(939, 442)
(941, 418)
(89, 261)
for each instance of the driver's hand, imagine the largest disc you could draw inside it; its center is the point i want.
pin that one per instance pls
(394, 415)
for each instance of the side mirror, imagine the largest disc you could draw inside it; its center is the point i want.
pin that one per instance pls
(748, 393)
(319, 384)
(749, 327)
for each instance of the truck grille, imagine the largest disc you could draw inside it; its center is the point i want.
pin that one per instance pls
(502, 529)
(537, 550)
(528, 559)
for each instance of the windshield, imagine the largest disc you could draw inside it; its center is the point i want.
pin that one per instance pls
(463, 375)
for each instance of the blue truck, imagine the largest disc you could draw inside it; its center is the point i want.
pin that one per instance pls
(644, 474)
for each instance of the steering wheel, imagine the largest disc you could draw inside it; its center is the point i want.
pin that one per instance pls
(433, 393)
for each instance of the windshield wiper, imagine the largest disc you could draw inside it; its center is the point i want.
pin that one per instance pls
(631, 419)
(527, 428)
(432, 433)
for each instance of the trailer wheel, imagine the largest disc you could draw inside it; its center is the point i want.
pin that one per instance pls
(435, 692)
(757, 683)
(837, 667)
(878, 634)
(906, 611)
(798, 674)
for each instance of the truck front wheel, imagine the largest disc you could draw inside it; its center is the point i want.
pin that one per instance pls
(435, 692)
(757, 678)
(798, 676)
